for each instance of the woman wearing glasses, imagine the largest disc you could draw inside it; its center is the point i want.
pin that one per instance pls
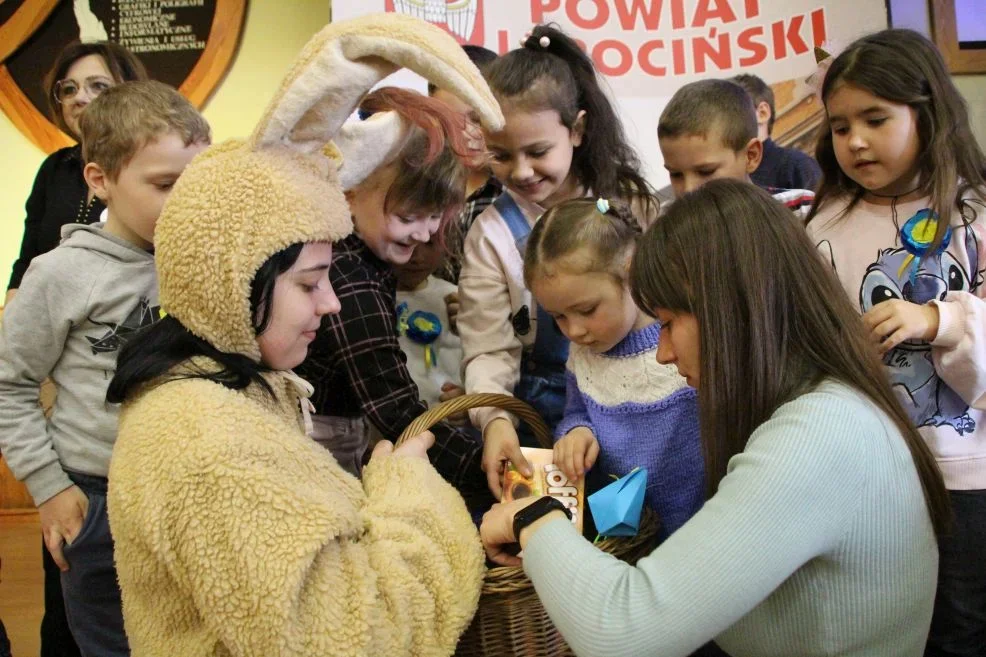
(60, 196)
(81, 72)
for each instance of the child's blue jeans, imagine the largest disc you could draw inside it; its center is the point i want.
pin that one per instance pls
(90, 588)
(958, 626)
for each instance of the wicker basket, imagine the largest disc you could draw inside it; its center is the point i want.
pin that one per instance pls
(510, 619)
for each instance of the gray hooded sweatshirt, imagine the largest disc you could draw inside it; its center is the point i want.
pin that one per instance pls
(75, 307)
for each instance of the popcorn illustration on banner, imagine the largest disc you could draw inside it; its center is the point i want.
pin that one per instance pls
(463, 19)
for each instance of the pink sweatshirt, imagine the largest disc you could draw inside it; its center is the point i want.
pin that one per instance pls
(497, 317)
(942, 384)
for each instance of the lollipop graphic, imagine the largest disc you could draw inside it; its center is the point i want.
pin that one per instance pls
(422, 328)
(917, 235)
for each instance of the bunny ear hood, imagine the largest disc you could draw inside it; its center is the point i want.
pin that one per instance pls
(343, 61)
(242, 201)
(231, 210)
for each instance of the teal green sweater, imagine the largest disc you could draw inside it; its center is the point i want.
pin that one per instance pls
(818, 542)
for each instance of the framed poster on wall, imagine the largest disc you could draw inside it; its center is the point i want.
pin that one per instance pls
(959, 29)
(188, 44)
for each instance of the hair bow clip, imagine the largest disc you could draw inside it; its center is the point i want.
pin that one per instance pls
(602, 205)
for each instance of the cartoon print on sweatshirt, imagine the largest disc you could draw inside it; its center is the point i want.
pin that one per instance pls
(117, 334)
(899, 273)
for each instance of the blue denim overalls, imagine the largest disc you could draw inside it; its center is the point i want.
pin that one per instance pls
(542, 365)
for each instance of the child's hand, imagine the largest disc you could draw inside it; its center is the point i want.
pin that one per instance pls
(61, 520)
(451, 391)
(576, 452)
(452, 308)
(892, 322)
(501, 444)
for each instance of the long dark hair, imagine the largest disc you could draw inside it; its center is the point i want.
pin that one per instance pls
(903, 67)
(773, 320)
(154, 352)
(561, 77)
(123, 65)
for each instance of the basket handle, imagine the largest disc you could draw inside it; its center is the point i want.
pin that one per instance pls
(436, 414)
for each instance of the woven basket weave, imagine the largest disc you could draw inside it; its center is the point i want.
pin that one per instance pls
(510, 619)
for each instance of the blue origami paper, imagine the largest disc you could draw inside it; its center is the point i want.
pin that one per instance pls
(616, 508)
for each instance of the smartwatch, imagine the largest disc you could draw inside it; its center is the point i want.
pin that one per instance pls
(538, 509)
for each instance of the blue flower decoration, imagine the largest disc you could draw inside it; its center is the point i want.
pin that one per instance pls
(424, 328)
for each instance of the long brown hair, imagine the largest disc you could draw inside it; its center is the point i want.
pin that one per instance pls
(773, 320)
(903, 67)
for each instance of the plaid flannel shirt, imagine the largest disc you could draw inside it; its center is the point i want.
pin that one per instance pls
(358, 369)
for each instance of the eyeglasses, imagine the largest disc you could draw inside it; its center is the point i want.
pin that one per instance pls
(66, 90)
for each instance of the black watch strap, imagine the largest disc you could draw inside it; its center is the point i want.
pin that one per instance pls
(538, 509)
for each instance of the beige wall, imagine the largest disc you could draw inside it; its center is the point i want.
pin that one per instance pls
(973, 88)
(916, 15)
(274, 33)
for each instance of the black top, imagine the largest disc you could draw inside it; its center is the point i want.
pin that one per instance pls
(57, 198)
(358, 369)
(786, 168)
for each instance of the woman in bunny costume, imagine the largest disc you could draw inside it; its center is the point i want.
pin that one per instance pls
(236, 534)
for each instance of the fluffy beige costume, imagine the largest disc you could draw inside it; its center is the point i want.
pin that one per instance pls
(235, 533)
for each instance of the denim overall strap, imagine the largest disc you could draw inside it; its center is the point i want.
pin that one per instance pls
(515, 220)
(550, 346)
(542, 368)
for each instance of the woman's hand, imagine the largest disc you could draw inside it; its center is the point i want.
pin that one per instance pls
(497, 530)
(61, 521)
(416, 447)
(891, 322)
(501, 444)
(576, 452)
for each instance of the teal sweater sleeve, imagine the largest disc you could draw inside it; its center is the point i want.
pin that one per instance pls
(795, 494)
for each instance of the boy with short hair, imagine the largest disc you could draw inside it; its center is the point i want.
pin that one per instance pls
(708, 131)
(76, 307)
(780, 167)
